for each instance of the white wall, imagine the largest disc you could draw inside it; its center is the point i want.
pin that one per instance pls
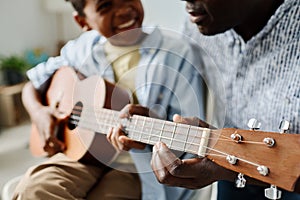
(165, 13)
(26, 24)
(23, 26)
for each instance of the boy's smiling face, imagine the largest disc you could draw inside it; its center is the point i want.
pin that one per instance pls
(112, 17)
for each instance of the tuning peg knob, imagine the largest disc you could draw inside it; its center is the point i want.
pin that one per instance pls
(284, 126)
(254, 124)
(272, 193)
(240, 182)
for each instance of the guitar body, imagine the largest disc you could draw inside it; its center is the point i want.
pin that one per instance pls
(63, 94)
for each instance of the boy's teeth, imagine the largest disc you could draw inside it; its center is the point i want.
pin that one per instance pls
(127, 24)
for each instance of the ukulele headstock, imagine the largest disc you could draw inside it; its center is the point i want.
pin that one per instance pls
(264, 156)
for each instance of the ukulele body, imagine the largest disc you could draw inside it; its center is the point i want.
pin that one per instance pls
(67, 93)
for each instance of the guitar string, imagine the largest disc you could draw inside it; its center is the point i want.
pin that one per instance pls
(195, 152)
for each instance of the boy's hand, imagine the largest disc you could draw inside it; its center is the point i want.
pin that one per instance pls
(116, 135)
(47, 121)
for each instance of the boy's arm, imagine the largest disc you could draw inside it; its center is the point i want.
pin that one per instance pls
(44, 118)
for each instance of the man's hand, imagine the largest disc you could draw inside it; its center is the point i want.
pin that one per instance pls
(189, 173)
(194, 121)
(116, 135)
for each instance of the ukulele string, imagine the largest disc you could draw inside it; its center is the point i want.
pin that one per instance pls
(87, 123)
(115, 120)
(101, 112)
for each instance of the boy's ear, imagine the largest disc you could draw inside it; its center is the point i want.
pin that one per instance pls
(81, 21)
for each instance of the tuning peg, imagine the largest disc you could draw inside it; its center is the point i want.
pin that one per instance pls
(254, 124)
(240, 182)
(284, 126)
(272, 193)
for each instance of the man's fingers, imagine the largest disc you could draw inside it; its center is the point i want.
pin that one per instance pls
(166, 165)
(194, 121)
(166, 178)
(186, 120)
(164, 158)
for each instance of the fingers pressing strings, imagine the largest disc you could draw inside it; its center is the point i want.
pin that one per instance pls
(131, 109)
(194, 121)
(166, 166)
(171, 170)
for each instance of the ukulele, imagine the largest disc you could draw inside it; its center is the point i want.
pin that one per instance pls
(93, 106)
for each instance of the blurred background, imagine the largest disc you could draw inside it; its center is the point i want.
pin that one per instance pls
(31, 31)
(34, 24)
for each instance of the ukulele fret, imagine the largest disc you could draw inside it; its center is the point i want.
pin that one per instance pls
(142, 132)
(192, 139)
(151, 130)
(155, 131)
(134, 128)
(161, 131)
(172, 137)
(185, 140)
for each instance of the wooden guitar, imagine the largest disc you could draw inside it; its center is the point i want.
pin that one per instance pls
(93, 105)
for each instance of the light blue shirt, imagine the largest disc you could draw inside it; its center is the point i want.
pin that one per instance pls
(168, 81)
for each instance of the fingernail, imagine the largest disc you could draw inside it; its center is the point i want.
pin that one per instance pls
(154, 149)
(159, 146)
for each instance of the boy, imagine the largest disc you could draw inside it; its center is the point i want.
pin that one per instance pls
(149, 64)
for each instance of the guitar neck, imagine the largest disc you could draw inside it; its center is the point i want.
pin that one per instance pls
(180, 137)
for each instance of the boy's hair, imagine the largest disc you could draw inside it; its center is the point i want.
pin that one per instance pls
(78, 6)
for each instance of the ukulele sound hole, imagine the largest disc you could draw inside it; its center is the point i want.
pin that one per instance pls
(75, 116)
